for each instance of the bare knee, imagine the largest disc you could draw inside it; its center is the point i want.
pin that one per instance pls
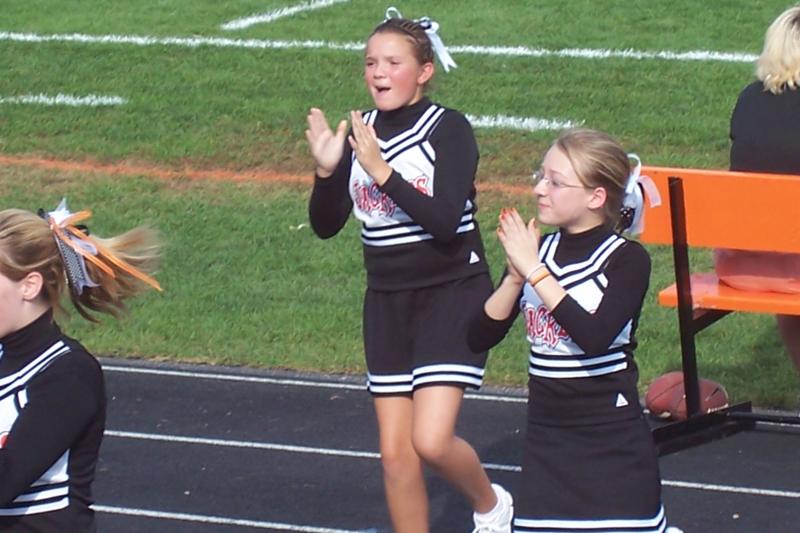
(432, 447)
(399, 460)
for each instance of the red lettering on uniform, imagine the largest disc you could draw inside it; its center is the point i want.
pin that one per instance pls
(420, 183)
(3, 439)
(542, 327)
(370, 199)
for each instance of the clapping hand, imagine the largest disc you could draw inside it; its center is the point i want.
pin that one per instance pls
(326, 146)
(520, 242)
(364, 142)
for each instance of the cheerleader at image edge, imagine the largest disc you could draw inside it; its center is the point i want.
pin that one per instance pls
(406, 170)
(589, 461)
(764, 136)
(52, 397)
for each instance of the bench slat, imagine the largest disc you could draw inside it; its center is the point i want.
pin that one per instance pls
(709, 293)
(748, 211)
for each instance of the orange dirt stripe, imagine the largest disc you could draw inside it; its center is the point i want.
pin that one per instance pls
(152, 171)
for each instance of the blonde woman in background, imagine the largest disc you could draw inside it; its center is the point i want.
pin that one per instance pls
(765, 137)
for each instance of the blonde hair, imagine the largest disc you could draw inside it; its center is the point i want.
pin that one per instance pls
(778, 66)
(598, 161)
(28, 244)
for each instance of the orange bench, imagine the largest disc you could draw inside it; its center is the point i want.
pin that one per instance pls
(718, 209)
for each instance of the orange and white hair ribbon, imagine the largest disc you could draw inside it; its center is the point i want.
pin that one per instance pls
(77, 247)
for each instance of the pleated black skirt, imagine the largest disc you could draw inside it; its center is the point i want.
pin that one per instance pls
(593, 478)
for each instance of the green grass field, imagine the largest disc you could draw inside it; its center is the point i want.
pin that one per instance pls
(246, 281)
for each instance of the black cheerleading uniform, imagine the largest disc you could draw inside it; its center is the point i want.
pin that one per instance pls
(423, 253)
(589, 461)
(52, 418)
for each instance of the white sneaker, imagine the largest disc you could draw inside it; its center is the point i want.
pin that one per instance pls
(498, 520)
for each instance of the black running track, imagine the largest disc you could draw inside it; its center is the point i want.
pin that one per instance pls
(213, 449)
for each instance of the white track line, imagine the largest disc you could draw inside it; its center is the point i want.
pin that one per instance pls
(265, 18)
(206, 519)
(512, 51)
(374, 455)
(90, 100)
(736, 490)
(290, 448)
(284, 381)
(225, 443)
(233, 377)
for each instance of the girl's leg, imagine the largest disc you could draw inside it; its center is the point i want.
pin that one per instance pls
(789, 327)
(435, 410)
(403, 478)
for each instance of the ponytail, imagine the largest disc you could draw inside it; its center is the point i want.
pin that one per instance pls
(99, 274)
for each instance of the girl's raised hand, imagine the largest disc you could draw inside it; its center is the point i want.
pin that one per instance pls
(512, 272)
(364, 142)
(520, 241)
(326, 147)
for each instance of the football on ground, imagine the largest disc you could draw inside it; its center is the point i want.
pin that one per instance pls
(666, 396)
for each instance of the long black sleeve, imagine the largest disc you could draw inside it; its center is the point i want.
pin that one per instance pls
(485, 332)
(330, 204)
(63, 403)
(456, 164)
(628, 276)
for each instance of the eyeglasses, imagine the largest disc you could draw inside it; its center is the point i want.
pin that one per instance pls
(539, 177)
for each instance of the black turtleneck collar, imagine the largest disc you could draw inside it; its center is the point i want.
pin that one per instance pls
(33, 339)
(587, 237)
(575, 246)
(403, 115)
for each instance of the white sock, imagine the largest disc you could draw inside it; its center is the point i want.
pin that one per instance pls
(496, 510)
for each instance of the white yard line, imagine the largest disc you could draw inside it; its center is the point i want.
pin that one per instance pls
(496, 121)
(275, 14)
(520, 123)
(187, 42)
(220, 520)
(606, 53)
(711, 487)
(90, 100)
(512, 51)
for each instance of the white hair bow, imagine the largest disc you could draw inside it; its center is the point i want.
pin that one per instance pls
(431, 28)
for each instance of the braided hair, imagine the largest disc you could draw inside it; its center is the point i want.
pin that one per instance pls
(414, 32)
